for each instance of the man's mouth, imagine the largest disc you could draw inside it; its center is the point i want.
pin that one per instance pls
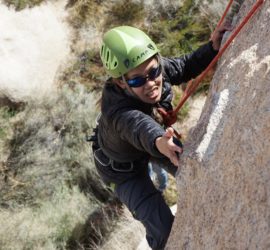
(153, 93)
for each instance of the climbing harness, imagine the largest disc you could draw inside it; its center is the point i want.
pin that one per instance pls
(170, 117)
(101, 159)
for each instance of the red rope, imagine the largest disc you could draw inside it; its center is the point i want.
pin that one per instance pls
(224, 14)
(170, 117)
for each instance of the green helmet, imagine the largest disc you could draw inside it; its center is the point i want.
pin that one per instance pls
(124, 48)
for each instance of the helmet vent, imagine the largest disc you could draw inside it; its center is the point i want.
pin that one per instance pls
(102, 49)
(108, 55)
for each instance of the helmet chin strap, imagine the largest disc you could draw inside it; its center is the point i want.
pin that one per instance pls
(130, 92)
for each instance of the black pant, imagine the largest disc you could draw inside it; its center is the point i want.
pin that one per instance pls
(148, 206)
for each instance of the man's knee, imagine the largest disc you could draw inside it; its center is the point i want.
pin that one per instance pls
(157, 218)
(148, 206)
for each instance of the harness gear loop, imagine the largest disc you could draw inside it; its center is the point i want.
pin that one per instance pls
(170, 117)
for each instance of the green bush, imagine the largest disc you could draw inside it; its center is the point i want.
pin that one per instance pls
(83, 13)
(21, 4)
(87, 70)
(51, 189)
(124, 13)
(6, 114)
(182, 33)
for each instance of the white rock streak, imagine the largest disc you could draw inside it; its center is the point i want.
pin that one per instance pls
(248, 55)
(214, 121)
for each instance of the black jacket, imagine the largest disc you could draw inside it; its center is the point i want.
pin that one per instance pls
(127, 132)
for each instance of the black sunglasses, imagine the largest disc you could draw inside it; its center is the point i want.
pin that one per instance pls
(141, 80)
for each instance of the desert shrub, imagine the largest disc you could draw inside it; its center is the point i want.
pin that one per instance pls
(86, 69)
(5, 114)
(182, 33)
(124, 13)
(83, 13)
(51, 187)
(8, 110)
(21, 4)
(48, 146)
(46, 226)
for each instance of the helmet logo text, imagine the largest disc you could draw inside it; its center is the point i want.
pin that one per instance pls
(150, 46)
(126, 63)
(138, 57)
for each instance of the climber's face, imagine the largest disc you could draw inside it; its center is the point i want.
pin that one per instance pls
(145, 81)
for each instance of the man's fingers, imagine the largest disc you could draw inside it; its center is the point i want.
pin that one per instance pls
(174, 154)
(177, 149)
(174, 159)
(169, 132)
(226, 26)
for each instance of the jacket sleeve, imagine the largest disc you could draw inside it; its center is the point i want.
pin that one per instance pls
(182, 69)
(138, 129)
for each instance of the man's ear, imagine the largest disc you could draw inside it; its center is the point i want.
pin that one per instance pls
(120, 83)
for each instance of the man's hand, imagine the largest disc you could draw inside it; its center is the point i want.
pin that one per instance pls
(217, 35)
(166, 146)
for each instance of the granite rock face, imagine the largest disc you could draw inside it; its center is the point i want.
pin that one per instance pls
(224, 181)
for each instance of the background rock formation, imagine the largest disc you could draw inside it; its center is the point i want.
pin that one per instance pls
(224, 182)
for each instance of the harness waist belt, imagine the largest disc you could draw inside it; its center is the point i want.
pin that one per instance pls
(105, 161)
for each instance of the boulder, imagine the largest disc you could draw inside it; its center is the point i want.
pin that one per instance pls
(224, 179)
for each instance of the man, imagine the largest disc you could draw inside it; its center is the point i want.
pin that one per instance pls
(129, 133)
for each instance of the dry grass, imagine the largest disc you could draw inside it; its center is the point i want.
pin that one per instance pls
(50, 190)
(21, 4)
(48, 225)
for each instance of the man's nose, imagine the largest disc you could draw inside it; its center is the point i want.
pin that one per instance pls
(150, 82)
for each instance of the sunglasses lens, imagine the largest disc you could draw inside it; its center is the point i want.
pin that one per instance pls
(140, 81)
(136, 82)
(154, 72)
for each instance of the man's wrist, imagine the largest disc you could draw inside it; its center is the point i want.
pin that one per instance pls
(215, 45)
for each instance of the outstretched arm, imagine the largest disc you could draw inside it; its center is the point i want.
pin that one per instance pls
(167, 147)
(182, 69)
